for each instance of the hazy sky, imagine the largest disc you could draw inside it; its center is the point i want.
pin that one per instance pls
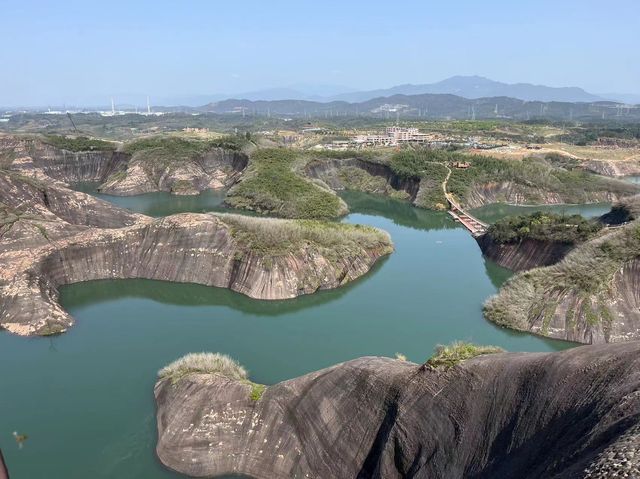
(76, 51)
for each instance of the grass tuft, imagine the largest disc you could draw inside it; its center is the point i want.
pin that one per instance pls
(206, 363)
(458, 351)
(257, 390)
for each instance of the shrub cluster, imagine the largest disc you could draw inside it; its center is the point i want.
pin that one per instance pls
(272, 186)
(80, 143)
(545, 227)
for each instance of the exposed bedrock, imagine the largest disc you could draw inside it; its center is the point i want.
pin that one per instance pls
(193, 248)
(120, 173)
(525, 254)
(571, 414)
(339, 174)
(590, 296)
(217, 168)
(614, 167)
(512, 193)
(70, 166)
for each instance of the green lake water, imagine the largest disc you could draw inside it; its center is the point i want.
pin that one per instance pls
(160, 203)
(635, 179)
(85, 398)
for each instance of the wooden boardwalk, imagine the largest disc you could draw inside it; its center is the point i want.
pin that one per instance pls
(473, 224)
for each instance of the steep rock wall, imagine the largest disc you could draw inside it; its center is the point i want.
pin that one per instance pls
(72, 167)
(482, 194)
(217, 168)
(590, 296)
(524, 255)
(613, 167)
(329, 172)
(189, 248)
(506, 415)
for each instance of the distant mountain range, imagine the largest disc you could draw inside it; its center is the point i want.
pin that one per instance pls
(465, 87)
(479, 87)
(429, 106)
(471, 87)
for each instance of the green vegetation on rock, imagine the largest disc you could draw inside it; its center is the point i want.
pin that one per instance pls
(80, 143)
(272, 186)
(257, 390)
(181, 147)
(276, 237)
(534, 179)
(584, 277)
(458, 351)
(204, 363)
(159, 152)
(210, 363)
(422, 163)
(543, 227)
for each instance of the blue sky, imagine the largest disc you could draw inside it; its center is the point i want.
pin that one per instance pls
(58, 52)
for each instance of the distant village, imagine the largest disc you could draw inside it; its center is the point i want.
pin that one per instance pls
(394, 136)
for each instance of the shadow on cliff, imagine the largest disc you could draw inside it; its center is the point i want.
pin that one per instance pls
(189, 294)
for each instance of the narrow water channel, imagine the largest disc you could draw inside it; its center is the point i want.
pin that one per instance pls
(85, 398)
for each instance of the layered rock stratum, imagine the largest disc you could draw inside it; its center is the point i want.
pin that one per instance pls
(590, 296)
(572, 414)
(525, 254)
(51, 236)
(126, 173)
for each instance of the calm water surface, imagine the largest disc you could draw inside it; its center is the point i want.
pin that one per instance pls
(635, 179)
(85, 398)
(160, 203)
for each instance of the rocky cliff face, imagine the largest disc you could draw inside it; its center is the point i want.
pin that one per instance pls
(511, 193)
(613, 167)
(120, 173)
(573, 414)
(589, 297)
(217, 168)
(63, 165)
(50, 236)
(524, 255)
(362, 175)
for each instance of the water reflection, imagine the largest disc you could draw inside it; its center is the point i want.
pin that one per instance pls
(188, 294)
(401, 213)
(160, 203)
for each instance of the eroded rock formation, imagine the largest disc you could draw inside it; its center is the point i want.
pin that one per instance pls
(525, 254)
(124, 174)
(591, 296)
(572, 414)
(362, 175)
(51, 236)
(214, 169)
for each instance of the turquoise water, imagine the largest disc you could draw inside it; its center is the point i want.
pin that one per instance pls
(632, 179)
(160, 203)
(85, 398)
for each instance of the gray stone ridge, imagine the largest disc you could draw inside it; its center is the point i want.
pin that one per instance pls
(564, 415)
